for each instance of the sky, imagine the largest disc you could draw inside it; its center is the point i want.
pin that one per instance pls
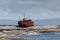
(36, 9)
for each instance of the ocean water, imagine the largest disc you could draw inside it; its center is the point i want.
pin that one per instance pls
(40, 36)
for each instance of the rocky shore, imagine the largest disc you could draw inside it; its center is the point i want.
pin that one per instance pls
(6, 30)
(4, 38)
(30, 30)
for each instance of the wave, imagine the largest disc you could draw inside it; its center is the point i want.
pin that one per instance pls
(32, 33)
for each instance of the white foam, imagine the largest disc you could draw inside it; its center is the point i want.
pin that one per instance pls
(32, 33)
(3, 35)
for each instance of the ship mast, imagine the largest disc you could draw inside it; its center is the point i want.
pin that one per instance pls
(24, 17)
(29, 17)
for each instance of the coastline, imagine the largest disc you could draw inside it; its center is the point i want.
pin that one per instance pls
(5, 38)
(9, 30)
(18, 30)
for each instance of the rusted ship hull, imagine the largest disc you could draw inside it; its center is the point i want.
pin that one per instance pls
(25, 23)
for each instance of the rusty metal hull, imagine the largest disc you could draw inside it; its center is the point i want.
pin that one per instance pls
(26, 23)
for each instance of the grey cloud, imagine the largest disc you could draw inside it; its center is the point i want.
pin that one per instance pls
(41, 8)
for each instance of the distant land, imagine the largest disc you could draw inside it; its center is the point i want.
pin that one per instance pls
(55, 21)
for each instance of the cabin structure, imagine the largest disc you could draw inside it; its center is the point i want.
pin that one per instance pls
(25, 22)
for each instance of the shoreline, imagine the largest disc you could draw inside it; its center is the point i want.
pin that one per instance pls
(16, 38)
(17, 30)
(8, 30)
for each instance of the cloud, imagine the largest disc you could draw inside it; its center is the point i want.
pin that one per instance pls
(37, 9)
(4, 13)
(28, 2)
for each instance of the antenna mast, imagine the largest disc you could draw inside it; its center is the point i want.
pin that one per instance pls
(29, 17)
(24, 15)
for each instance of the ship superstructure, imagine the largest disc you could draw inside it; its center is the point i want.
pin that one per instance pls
(25, 22)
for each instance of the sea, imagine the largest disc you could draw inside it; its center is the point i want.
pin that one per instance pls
(39, 36)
